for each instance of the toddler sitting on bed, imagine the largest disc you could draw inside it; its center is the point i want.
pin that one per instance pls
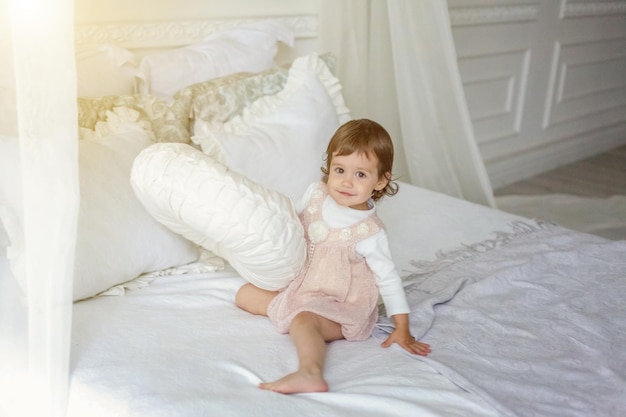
(348, 263)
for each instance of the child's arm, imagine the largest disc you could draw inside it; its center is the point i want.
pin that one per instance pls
(402, 336)
(378, 257)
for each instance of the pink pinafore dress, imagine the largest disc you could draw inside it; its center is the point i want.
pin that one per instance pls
(336, 282)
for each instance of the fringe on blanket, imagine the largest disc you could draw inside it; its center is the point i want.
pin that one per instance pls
(446, 258)
(425, 269)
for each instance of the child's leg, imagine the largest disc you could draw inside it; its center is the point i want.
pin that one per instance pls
(309, 333)
(254, 299)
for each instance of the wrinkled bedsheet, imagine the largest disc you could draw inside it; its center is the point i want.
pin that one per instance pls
(533, 323)
(181, 348)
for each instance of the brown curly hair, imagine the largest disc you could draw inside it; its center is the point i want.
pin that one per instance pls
(368, 137)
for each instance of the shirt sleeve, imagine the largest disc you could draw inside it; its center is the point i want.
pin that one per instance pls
(375, 250)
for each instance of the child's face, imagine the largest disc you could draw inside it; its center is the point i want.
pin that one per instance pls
(352, 179)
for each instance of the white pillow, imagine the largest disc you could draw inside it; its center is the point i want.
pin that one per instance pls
(248, 48)
(117, 240)
(279, 141)
(105, 70)
(255, 229)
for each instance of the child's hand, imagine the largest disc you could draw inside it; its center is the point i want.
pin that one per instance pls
(402, 336)
(407, 342)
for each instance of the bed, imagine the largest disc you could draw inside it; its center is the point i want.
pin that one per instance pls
(524, 317)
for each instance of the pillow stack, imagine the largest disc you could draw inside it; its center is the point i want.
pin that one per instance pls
(261, 144)
(235, 196)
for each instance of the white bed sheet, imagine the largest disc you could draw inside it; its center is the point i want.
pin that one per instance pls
(180, 347)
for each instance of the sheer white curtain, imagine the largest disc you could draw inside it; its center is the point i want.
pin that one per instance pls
(37, 58)
(397, 63)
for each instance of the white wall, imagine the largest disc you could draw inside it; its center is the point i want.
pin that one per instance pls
(545, 80)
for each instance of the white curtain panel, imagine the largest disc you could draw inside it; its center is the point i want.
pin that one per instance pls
(36, 308)
(397, 63)
(357, 33)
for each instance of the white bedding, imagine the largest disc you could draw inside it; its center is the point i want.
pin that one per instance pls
(180, 347)
(511, 334)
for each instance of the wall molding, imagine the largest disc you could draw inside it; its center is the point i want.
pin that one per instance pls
(164, 34)
(507, 75)
(592, 9)
(597, 95)
(467, 16)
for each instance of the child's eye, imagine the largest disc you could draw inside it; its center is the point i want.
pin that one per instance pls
(339, 170)
(361, 174)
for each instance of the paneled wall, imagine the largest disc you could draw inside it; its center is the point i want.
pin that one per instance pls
(545, 80)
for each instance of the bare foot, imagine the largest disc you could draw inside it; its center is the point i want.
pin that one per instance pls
(299, 381)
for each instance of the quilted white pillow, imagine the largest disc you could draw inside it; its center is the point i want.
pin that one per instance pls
(255, 229)
(279, 140)
(251, 47)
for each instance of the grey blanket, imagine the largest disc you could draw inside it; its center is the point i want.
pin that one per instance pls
(534, 323)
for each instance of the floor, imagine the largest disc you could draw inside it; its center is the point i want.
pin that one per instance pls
(588, 196)
(599, 176)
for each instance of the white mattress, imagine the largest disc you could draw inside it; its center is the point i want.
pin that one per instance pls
(180, 347)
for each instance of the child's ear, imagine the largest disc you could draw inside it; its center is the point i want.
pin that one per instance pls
(383, 181)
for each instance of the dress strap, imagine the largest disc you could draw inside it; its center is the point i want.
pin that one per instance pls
(313, 209)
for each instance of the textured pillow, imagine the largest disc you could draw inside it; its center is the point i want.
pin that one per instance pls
(117, 240)
(212, 102)
(279, 141)
(251, 47)
(169, 120)
(255, 229)
(105, 70)
(218, 100)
